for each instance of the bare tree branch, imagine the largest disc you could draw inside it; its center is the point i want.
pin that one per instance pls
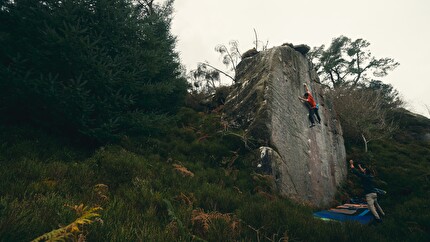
(213, 67)
(256, 39)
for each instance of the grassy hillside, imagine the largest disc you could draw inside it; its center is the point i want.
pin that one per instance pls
(196, 182)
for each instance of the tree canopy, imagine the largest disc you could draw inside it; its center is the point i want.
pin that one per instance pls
(349, 62)
(352, 73)
(97, 68)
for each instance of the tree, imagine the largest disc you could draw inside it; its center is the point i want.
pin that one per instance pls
(93, 68)
(362, 114)
(204, 79)
(349, 62)
(361, 101)
(390, 97)
(230, 56)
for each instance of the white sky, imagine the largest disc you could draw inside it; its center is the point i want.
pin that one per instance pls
(398, 29)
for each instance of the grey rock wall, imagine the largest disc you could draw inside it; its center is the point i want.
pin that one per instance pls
(307, 163)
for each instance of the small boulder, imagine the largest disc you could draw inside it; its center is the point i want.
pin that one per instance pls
(288, 44)
(303, 49)
(249, 53)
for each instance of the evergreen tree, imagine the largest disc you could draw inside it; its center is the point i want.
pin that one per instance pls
(98, 68)
(349, 69)
(349, 62)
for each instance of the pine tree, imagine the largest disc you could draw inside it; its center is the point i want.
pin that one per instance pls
(93, 68)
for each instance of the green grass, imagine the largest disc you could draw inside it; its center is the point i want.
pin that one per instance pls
(148, 200)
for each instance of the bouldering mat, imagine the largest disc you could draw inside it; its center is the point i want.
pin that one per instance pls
(361, 215)
(344, 211)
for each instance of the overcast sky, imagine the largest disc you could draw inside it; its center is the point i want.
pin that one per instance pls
(398, 29)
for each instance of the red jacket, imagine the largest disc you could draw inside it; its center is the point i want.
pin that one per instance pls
(311, 100)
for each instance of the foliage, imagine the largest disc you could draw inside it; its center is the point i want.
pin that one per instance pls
(227, 199)
(372, 123)
(204, 102)
(390, 97)
(401, 166)
(175, 219)
(349, 62)
(75, 230)
(204, 79)
(348, 67)
(91, 68)
(230, 56)
(203, 222)
(183, 170)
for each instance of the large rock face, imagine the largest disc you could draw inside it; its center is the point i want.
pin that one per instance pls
(307, 163)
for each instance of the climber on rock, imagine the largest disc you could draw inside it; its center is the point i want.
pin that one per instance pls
(309, 100)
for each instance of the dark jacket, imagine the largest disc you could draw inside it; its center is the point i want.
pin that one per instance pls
(366, 181)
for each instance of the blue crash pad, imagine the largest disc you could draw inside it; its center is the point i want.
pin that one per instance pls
(363, 216)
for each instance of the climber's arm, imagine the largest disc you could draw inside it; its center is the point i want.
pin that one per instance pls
(306, 87)
(306, 90)
(351, 164)
(361, 168)
(353, 170)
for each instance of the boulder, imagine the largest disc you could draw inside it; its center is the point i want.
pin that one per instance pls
(303, 49)
(307, 164)
(249, 53)
(288, 44)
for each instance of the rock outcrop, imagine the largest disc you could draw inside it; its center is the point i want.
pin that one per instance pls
(308, 164)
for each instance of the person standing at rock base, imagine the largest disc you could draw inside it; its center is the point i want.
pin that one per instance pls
(369, 190)
(309, 100)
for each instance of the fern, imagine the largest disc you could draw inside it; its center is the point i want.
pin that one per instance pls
(183, 170)
(174, 218)
(202, 221)
(172, 215)
(74, 230)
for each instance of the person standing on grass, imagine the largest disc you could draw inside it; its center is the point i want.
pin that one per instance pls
(309, 100)
(369, 190)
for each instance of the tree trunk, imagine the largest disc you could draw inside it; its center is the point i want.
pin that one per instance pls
(365, 143)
